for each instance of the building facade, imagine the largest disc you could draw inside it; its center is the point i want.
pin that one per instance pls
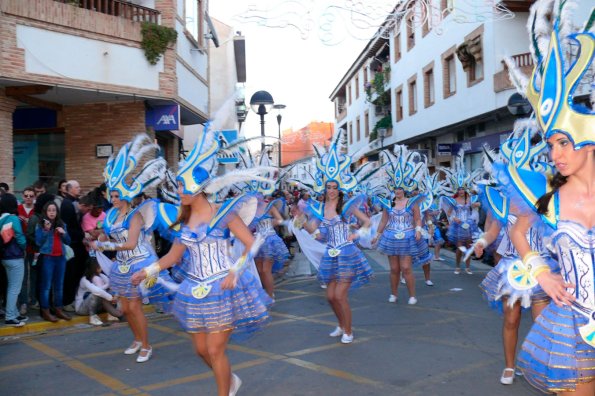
(76, 84)
(434, 83)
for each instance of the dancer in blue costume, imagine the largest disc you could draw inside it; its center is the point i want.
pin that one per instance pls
(462, 223)
(216, 296)
(400, 231)
(343, 266)
(558, 355)
(496, 286)
(129, 235)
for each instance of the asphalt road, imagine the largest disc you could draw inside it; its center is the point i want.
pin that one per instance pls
(447, 344)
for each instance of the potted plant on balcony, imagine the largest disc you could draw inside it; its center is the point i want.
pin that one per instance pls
(385, 122)
(368, 89)
(155, 40)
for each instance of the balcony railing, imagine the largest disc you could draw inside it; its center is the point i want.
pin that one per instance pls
(522, 60)
(119, 8)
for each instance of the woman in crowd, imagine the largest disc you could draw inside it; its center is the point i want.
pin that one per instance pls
(216, 298)
(13, 257)
(52, 238)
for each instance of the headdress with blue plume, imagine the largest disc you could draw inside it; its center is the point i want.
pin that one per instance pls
(458, 176)
(404, 168)
(121, 167)
(562, 60)
(333, 165)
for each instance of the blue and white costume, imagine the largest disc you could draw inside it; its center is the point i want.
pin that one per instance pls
(343, 261)
(460, 233)
(200, 305)
(273, 247)
(559, 351)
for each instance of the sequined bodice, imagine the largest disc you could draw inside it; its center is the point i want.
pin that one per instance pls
(335, 231)
(209, 254)
(575, 247)
(143, 248)
(534, 237)
(400, 220)
(462, 212)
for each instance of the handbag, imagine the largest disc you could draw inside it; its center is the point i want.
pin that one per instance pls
(68, 252)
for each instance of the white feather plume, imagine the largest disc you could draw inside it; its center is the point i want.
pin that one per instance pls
(238, 176)
(517, 77)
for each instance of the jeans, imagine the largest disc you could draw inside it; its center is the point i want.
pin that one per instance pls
(52, 277)
(15, 269)
(93, 304)
(28, 293)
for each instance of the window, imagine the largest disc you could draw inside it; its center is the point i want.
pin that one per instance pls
(412, 95)
(410, 29)
(399, 103)
(365, 75)
(449, 73)
(446, 7)
(194, 19)
(426, 13)
(357, 129)
(356, 86)
(475, 72)
(429, 96)
(349, 94)
(367, 124)
(350, 129)
(460, 136)
(397, 46)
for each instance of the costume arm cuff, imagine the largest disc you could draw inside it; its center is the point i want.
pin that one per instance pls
(418, 229)
(244, 258)
(152, 270)
(535, 264)
(108, 245)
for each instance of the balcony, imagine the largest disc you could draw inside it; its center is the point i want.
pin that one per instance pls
(119, 8)
(522, 61)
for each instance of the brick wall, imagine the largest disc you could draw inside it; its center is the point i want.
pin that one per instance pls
(7, 106)
(86, 126)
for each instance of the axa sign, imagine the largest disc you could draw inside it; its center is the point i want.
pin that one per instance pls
(163, 118)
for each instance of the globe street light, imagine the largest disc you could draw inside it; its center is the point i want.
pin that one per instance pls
(279, 107)
(261, 103)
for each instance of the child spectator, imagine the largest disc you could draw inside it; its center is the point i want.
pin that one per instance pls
(92, 296)
(51, 237)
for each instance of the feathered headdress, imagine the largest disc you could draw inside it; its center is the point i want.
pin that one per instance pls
(333, 165)
(458, 176)
(263, 187)
(404, 168)
(433, 188)
(562, 59)
(198, 172)
(122, 166)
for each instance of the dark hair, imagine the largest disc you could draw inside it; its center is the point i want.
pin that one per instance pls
(29, 188)
(57, 222)
(185, 212)
(88, 200)
(40, 184)
(91, 268)
(4, 186)
(555, 183)
(41, 201)
(61, 182)
(8, 204)
(339, 208)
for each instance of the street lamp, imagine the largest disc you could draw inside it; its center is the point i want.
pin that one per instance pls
(517, 105)
(279, 107)
(261, 103)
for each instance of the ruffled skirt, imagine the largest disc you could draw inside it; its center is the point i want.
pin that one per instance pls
(461, 233)
(242, 309)
(121, 286)
(399, 243)
(349, 266)
(496, 285)
(554, 357)
(436, 238)
(274, 249)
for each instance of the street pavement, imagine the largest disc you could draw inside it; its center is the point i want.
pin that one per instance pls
(447, 344)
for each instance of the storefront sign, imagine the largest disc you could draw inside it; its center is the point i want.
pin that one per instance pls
(443, 149)
(227, 137)
(475, 145)
(163, 118)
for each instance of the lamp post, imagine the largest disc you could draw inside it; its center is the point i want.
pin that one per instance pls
(279, 107)
(517, 105)
(261, 103)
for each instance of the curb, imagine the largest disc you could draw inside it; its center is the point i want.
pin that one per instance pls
(44, 326)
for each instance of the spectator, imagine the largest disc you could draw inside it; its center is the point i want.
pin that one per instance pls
(75, 267)
(25, 212)
(92, 221)
(4, 188)
(303, 202)
(61, 192)
(100, 195)
(13, 252)
(52, 237)
(92, 296)
(39, 187)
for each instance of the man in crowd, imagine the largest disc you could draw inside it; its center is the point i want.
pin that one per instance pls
(40, 188)
(75, 267)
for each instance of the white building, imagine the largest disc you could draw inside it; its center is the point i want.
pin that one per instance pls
(443, 83)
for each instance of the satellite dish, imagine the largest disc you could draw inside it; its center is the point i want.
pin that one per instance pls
(212, 32)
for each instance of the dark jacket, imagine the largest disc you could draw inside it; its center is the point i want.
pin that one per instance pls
(45, 239)
(71, 219)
